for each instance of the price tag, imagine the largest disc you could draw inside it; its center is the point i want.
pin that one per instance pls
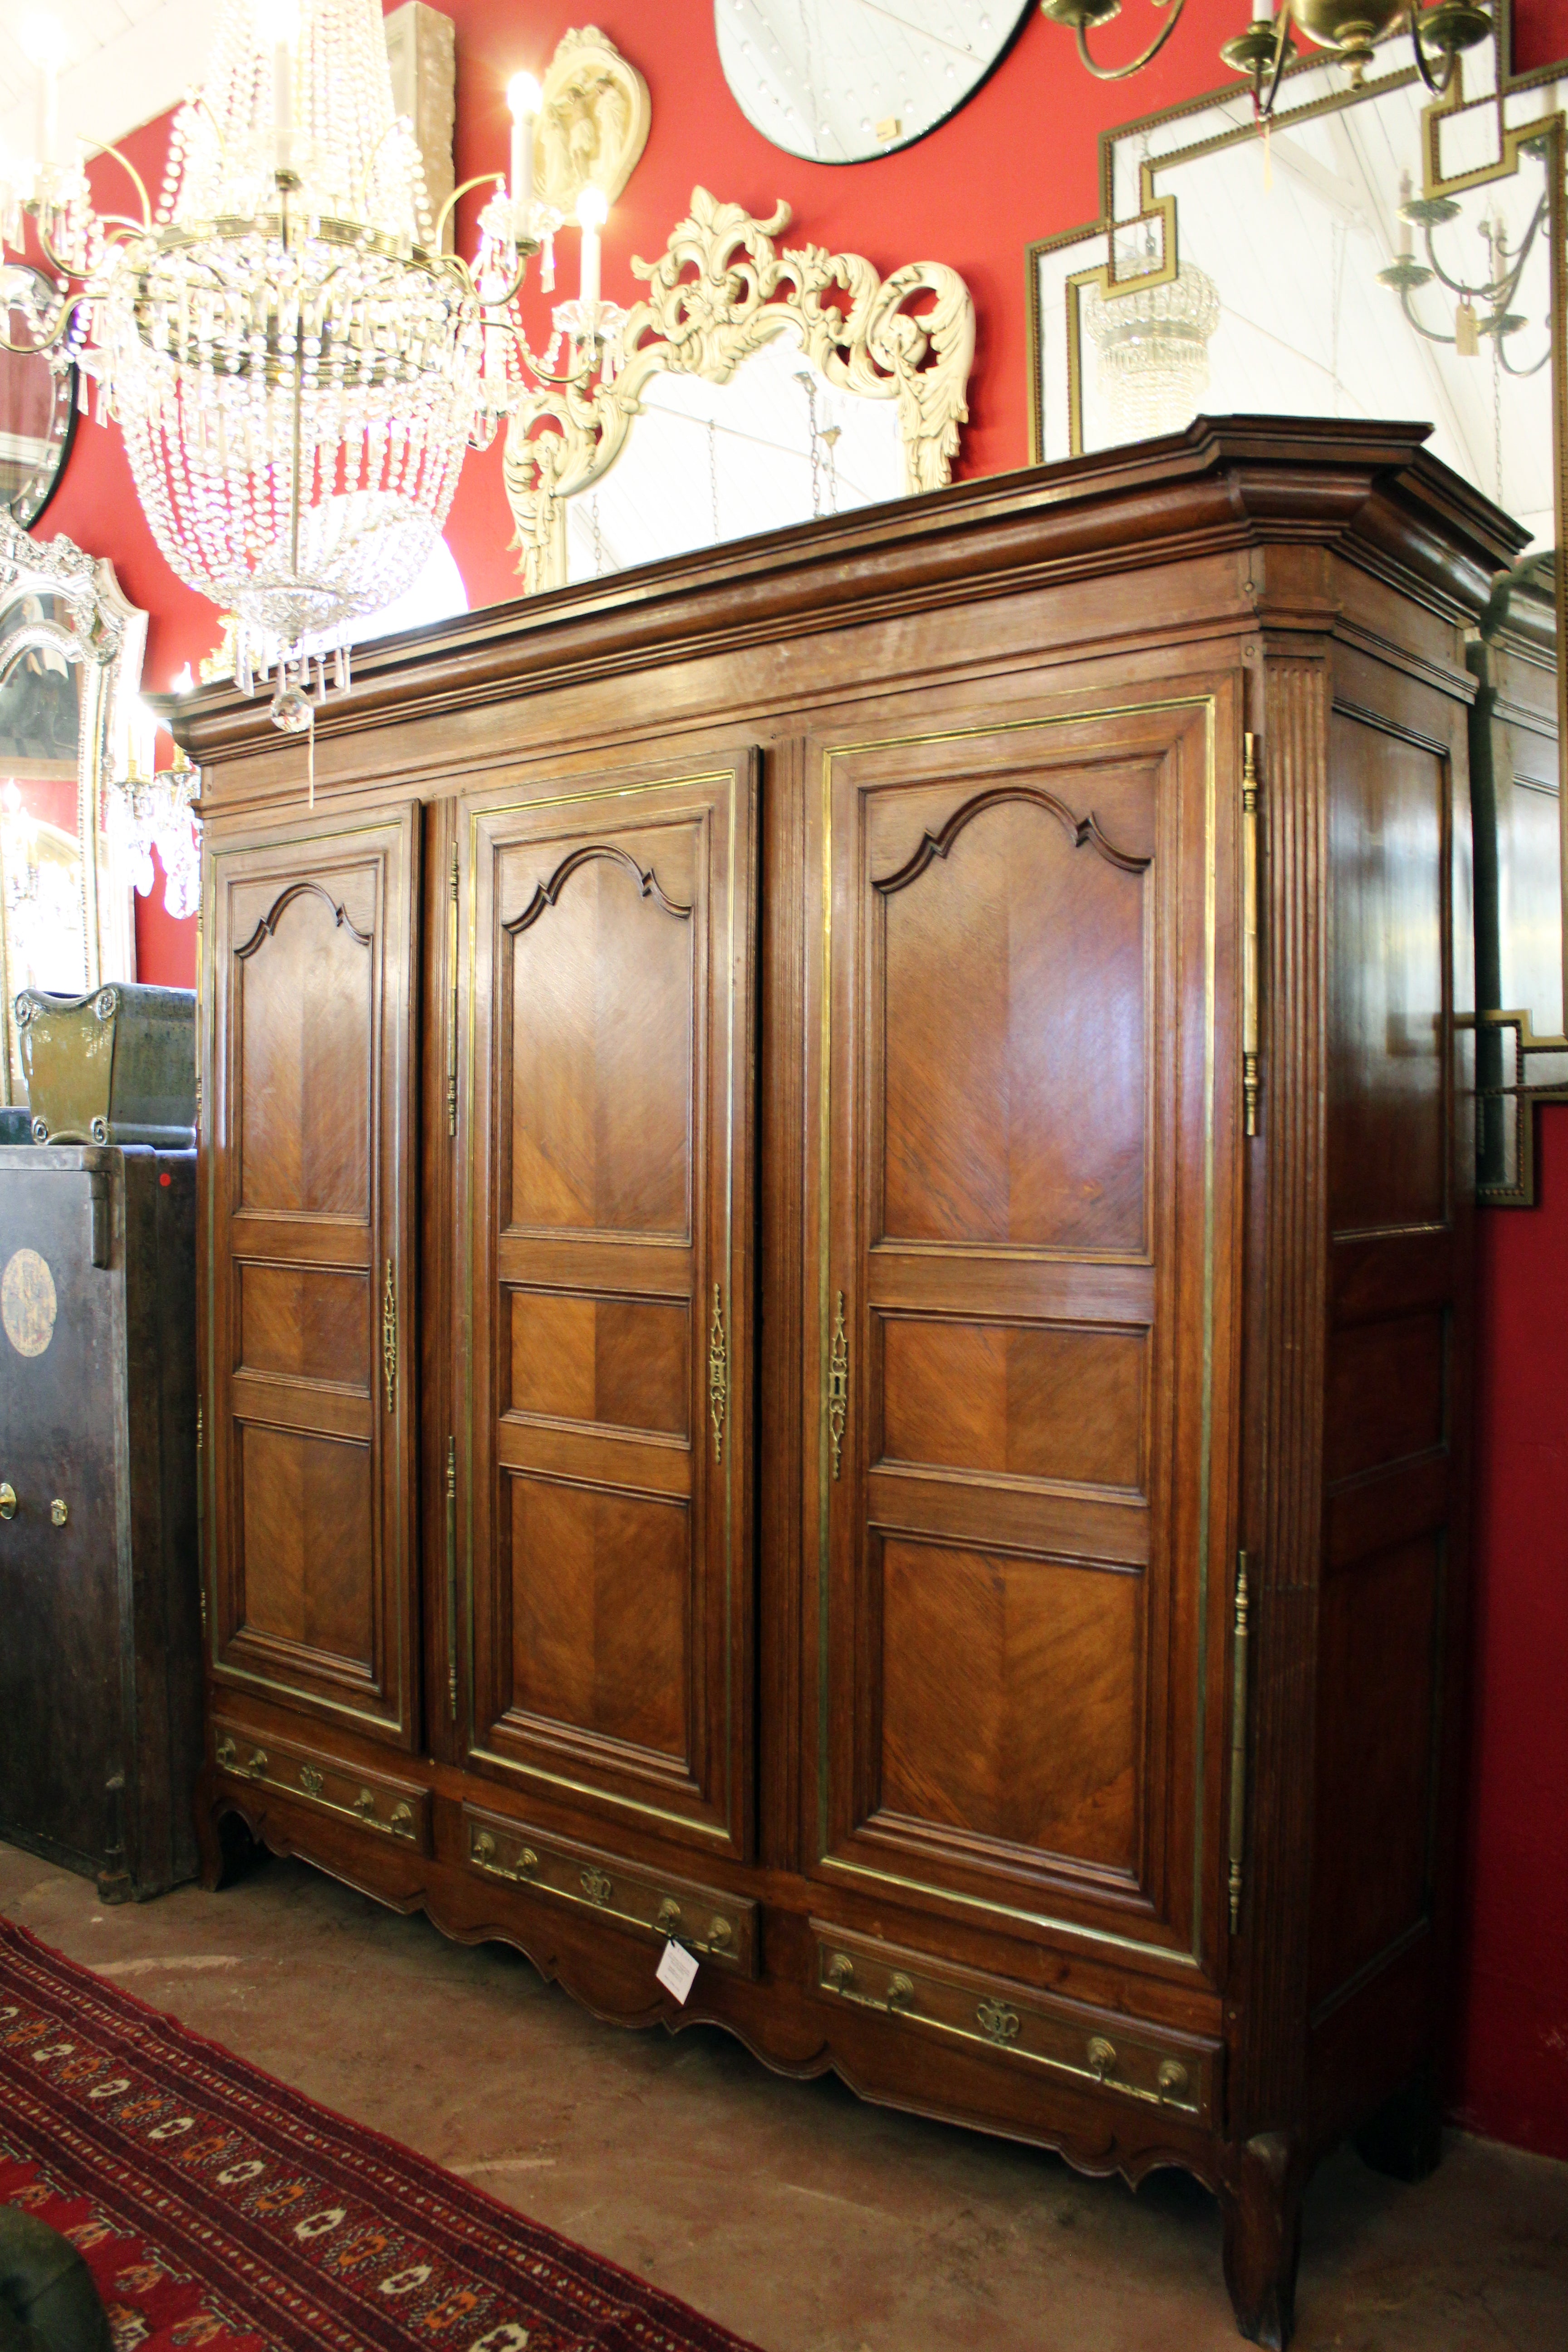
(677, 1969)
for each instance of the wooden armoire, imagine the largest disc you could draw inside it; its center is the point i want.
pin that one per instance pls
(836, 1294)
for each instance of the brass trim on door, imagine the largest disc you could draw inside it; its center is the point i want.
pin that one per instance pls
(389, 1337)
(717, 1373)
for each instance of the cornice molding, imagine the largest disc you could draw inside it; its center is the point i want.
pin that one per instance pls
(1367, 493)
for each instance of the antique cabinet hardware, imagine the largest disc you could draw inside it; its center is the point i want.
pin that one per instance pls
(1250, 933)
(338, 1790)
(1238, 1739)
(717, 1373)
(7, 1499)
(1059, 2037)
(451, 1579)
(837, 1385)
(452, 998)
(389, 1337)
(712, 1925)
(898, 1995)
(59, 1512)
(201, 1522)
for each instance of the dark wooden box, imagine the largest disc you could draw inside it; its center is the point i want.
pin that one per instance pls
(100, 1625)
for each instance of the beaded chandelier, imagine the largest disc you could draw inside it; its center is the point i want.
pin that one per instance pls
(296, 365)
(1153, 343)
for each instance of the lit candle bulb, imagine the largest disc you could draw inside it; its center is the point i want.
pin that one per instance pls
(278, 22)
(1404, 224)
(523, 96)
(44, 42)
(593, 212)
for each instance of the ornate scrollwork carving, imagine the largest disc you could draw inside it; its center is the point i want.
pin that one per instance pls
(745, 291)
(545, 894)
(270, 921)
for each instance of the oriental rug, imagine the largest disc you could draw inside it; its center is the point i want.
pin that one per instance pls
(218, 2208)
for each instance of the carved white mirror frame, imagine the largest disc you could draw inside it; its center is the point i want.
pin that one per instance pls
(105, 635)
(744, 293)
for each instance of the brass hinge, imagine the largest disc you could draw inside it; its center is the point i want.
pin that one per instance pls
(452, 1001)
(838, 1386)
(717, 1373)
(452, 1580)
(1239, 1739)
(1250, 933)
(201, 1520)
(389, 1337)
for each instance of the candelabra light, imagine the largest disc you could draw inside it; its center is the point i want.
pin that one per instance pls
(1483, 306)
(1349, 30)
(296, 365)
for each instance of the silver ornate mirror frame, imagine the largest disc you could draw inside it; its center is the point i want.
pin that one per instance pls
(104, 636)
(720, 290)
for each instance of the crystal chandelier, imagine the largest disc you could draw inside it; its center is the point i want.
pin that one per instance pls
(1152, 345)
(296, 365)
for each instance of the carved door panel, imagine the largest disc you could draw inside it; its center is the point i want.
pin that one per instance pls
(1023, 1392)
(607, 1089)
(310, 1307)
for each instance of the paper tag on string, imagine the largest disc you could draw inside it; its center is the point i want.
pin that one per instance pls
(677, 1970)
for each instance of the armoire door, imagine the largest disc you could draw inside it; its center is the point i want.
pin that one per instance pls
(608, 1087)
(1023, 1378)
(310, 1306)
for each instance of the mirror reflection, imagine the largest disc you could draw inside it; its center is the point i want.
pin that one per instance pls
(841, 80)
(775, 445)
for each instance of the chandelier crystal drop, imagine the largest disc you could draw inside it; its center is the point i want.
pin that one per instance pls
(1152, 345)
(296, 365)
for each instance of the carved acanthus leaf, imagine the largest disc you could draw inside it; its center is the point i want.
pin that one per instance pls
(742, 293)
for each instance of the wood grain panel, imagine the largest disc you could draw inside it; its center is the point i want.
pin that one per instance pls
(1036, 1403)
(608, 1173)
(1015, 1007)
(600, 1594)
(312, 1347)
(305, 1511)
(621, 1362)
(1386, 1394)
(307, 1037)
(1039, 1641)
(312, 1324)
(1017, 1041)
(1376, 1693)
(600, 1036)
(1387, 996)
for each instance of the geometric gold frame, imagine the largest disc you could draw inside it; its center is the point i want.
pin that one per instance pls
(1456, 130)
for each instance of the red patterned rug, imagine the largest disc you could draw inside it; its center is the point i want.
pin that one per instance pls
(218, 2208)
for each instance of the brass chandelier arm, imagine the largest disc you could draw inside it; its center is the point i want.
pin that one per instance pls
(1122, 73)
(494, 179)
(46, 341)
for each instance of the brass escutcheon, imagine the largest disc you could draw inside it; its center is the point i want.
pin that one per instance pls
(7, 1499)
(997, 2021)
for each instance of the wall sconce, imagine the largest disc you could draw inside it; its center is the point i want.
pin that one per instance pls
(1080, 15)
(1350, 30)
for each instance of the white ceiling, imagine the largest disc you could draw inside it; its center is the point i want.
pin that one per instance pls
(128, 60)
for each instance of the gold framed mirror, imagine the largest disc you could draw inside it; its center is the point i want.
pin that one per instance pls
(1370, 252)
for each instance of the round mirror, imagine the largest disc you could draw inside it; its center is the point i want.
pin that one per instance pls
(842, 80)
(37, 402)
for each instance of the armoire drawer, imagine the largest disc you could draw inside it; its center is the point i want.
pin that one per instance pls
(1177, 2071)
(388, 1808)
(718, 1927)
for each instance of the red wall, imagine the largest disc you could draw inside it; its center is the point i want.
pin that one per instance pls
(1020, 161)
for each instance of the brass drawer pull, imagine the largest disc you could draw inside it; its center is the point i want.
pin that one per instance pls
(7, 1499)
(701, 1918)
(898, 1997)
(59, 1512)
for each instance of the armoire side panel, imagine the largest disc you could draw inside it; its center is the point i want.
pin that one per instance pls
(311, 1313)
(609, 1181)
(1395, 1205)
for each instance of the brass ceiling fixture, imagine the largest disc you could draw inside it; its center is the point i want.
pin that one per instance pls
(1349, 30)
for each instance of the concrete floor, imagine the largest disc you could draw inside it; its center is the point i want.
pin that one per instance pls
(800, 2217)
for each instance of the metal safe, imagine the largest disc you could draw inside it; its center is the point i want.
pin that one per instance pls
(100, 1614)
